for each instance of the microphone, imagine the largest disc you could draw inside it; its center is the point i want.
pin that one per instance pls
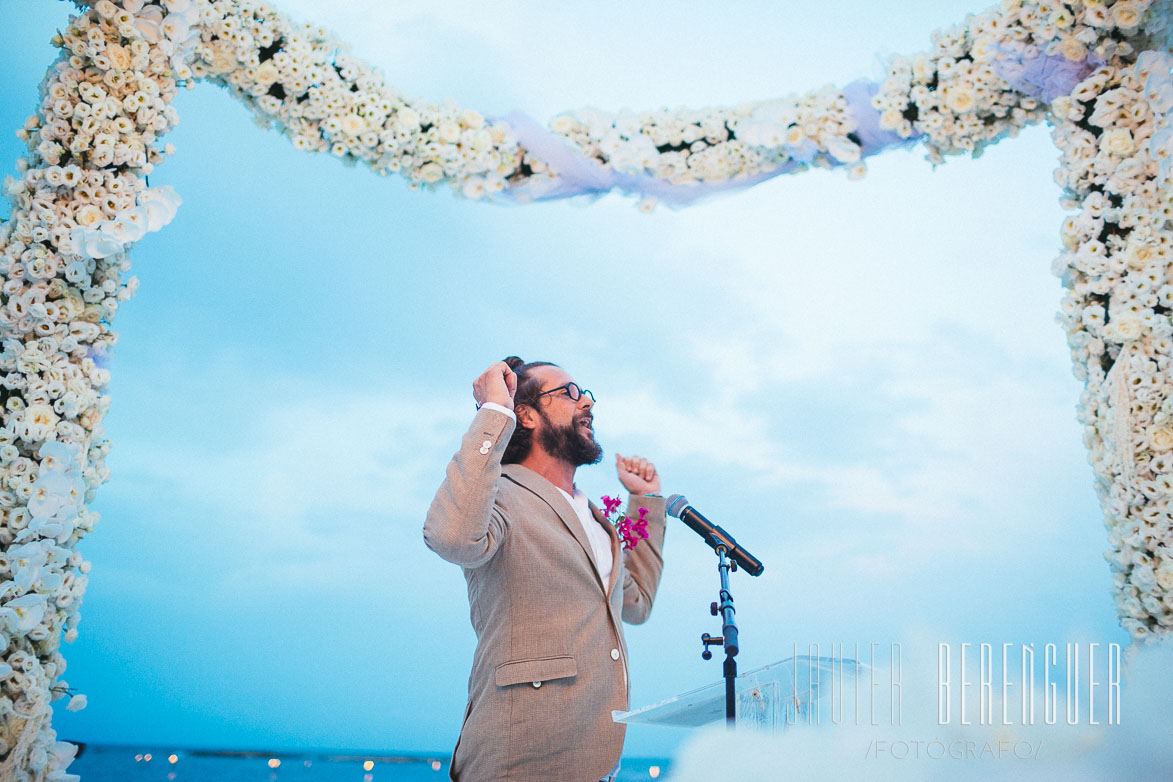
(715, 536)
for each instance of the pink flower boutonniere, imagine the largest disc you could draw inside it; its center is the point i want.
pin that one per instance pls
(632, 532)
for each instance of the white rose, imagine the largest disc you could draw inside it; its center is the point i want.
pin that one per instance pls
(40, 414)
(449, 132)
(88, 215)
(266, 73)
(1142, 578)
(1138, 630)
(891, 119)
(1131, 607)
(923, 68)
(1073, 49)
(474, 188)
(1160, 437)
(431, 172)
(842, 149)
(1118, 142)
(223, 60)
(563, 124)
(1127, 327)
(353, 125)
(960, 98)
(1126, 14)
(1139, 256)
(480, 140)
(983, 48)
(1164, 576)
(408, 117)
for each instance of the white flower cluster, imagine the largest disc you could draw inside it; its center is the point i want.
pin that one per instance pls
(1116, 136)
(953, 96)
(958, 97)
(685, 147)
(80, 200)
(298, 77)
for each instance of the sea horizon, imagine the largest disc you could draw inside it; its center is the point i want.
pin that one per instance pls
(109, 762)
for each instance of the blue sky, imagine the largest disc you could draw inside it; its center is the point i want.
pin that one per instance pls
(862, 381)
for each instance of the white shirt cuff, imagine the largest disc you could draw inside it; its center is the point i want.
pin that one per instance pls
(499, 409)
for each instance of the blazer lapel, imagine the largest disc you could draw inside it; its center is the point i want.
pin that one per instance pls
(548, 492)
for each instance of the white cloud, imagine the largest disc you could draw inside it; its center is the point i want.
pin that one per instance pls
(325, 486)
(954, 430)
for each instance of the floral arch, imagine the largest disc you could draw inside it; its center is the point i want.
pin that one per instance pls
(1098, 71)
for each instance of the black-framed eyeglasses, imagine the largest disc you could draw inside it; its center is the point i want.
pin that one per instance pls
(573, 390)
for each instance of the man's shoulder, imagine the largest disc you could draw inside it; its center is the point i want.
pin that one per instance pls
(521, 486)
(509, 489)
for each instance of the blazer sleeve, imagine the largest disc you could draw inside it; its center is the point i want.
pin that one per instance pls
(464, 525)
(643, 564)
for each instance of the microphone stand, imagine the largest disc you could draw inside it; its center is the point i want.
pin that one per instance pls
(728, 637)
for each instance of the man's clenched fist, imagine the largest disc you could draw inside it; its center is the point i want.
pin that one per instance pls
(497, 384)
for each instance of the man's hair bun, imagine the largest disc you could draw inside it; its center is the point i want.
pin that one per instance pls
(513, 362)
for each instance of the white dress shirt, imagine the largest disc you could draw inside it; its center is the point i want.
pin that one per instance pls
(600, 542)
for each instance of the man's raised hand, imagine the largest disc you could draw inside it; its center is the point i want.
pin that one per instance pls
(637, 474)
(497, 384)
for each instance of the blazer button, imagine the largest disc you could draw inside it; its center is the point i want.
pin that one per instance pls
(487, 444)
(614, 654)
(484, 449)
(537, 684)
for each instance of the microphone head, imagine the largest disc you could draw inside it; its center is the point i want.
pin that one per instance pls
(676, 503)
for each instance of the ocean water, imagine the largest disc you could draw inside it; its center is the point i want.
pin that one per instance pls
(99, 763)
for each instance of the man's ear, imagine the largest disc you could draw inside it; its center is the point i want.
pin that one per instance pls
(526, 418)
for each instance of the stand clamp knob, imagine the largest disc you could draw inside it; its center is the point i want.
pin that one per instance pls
(707, 641)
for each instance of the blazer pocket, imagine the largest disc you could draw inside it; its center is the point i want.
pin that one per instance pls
(539, 669)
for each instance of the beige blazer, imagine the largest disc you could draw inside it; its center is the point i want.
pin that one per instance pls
(550, 662)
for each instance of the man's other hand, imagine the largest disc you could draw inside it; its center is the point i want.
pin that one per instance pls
(637, 474)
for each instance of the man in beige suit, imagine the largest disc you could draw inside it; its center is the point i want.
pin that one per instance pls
(548, 586)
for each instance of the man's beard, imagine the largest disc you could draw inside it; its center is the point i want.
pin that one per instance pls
(568, 443)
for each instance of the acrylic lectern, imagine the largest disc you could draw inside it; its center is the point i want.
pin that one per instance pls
(771, 697)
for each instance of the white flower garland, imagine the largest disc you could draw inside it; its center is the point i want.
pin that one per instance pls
(1116, 135)
(81, 201)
